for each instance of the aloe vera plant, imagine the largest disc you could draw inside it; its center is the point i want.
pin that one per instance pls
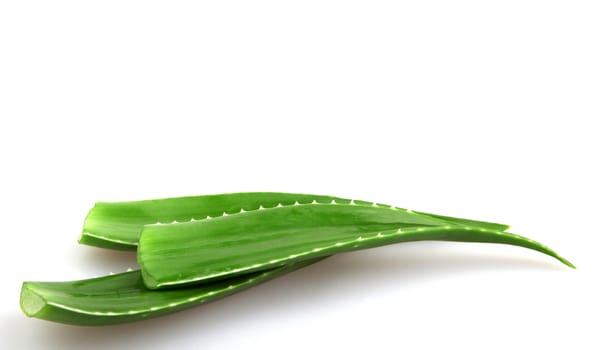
(216, 245)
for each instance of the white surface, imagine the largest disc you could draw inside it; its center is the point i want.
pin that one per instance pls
(465, 108)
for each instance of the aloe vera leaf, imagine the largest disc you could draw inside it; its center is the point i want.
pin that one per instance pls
(121, 298)
(117, 225)
(187, 253)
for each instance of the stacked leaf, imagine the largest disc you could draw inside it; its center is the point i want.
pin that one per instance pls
(196, 249)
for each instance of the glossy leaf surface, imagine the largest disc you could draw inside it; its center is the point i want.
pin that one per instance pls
(187, 253)
(123, 297)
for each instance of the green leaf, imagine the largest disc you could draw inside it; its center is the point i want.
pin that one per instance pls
(123, 298)
(193, 252)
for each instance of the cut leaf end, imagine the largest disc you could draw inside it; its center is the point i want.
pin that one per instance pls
(31, 302)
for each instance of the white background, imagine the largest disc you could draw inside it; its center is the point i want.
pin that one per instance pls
(478, 109)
